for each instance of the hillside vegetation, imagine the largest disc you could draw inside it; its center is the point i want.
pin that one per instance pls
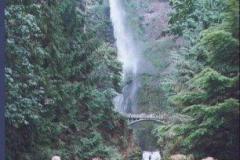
(62, 74)
(61, 78)
(194, 48)
(207, 81)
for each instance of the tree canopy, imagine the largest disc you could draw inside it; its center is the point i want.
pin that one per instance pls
(60, 81)
(208, 74)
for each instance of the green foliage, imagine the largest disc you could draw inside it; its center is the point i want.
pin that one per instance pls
(212, 132)
(216, 125)
(220, 45)
(212, 82)
(60, 82)
(184, 99)
(195, 15)
(135, 155)
(231, 18)
(208, 86)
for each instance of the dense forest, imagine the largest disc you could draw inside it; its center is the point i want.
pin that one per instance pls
(207, 81)
(62, 73)
(61, 78)
(196, 57)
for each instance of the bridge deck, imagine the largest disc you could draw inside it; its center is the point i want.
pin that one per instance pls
(160, 117)
(145, 116)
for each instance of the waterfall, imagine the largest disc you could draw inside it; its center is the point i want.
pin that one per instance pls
(128, 55)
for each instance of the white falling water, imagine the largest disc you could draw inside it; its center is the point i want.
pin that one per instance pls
(127, 52)
(148, 155)
(128, 55)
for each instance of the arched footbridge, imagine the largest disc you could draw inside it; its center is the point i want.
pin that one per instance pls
(162, 118)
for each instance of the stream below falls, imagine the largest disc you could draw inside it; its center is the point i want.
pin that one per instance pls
(151, 155)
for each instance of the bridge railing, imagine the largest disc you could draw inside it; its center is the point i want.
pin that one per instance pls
(164, 117)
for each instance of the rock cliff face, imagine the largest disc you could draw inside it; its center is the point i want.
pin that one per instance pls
(148, 20)
(154, 17)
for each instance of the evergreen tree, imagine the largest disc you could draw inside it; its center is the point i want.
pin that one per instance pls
(60, 83)
(208, 89)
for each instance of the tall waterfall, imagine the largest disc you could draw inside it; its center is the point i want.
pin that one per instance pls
(128, 55)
